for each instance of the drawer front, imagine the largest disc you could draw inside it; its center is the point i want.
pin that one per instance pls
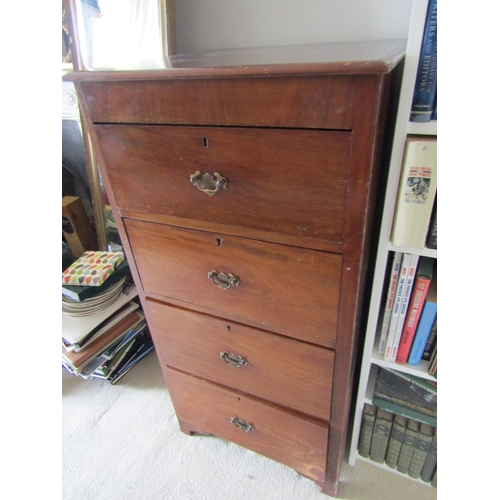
(297, 442)
(301, 102)
(287, 290)
(279, 369)
(282, 181)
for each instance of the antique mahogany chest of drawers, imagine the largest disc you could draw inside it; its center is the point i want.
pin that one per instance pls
(245, 185)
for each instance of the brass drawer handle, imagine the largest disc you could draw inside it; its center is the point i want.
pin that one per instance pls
(208, 183)
(223, 280)
(241, 424)
(233, 359)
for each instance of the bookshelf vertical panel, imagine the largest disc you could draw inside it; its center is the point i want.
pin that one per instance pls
(371, 359)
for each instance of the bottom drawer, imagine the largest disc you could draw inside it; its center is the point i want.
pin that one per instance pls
(294, 441)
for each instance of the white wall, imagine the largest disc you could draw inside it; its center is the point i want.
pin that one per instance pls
(221, 24)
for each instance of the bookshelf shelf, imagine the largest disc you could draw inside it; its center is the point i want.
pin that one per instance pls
(429, 128)
(419, 371)
(423, 252)
(371, 359)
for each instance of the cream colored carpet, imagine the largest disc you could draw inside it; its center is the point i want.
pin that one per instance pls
(122, 442)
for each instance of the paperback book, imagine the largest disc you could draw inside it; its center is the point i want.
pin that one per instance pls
(391, 294)
(427, 322)
(416, 305)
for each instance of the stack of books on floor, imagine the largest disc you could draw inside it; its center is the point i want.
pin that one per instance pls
(408, 333)
(104, 332)
(398, 431)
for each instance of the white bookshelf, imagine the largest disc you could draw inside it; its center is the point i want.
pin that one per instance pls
(371, 360)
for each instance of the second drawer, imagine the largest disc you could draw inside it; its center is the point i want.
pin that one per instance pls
(275, 368)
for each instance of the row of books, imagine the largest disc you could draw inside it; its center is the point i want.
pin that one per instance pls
(424, 104)
(401, 443)
(102, 342)
(415, 217)
(408, 332)
(406, 395)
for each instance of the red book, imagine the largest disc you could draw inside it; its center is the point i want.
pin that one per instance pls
(417, 301)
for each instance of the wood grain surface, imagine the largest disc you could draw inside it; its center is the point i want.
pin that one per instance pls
(287, 290)
(281, 181)
(280, 435)
(281, 370)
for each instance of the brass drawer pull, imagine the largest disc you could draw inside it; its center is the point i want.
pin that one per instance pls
(241, 424)
(208, 183)
(233, 359)
(223, 280)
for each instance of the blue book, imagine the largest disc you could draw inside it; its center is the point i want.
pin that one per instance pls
(425, 325)
(425, 90)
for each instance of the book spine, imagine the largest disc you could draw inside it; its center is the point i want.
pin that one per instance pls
(395, 441)
(397, 305)
(396, 266)
(404, 412)
(434, 479)
(422, 447)
(432, 235)
(380, 439)
(417, 191)
(431, 342)
(428, 319)
(406, 404)
(407, 447)
(433, 365)
(412, 269)
(426, 80)
(366, 431)
(414, 312)
(430, 463)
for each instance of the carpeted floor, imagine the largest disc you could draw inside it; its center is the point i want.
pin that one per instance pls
(123, 442)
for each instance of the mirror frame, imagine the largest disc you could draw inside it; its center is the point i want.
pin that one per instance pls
(167, 19)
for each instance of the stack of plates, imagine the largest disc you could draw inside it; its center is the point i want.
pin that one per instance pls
(94, 304)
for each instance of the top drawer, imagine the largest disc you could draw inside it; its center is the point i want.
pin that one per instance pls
(288, 182)
(322, 101)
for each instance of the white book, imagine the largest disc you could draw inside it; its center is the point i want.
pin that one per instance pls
(393, 281)
(398, 300)
(410, 279)
(417, 190)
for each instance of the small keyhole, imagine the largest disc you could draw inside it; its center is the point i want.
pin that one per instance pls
(239, 399)
(228, 328)
(218, 242)
(205, 142)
